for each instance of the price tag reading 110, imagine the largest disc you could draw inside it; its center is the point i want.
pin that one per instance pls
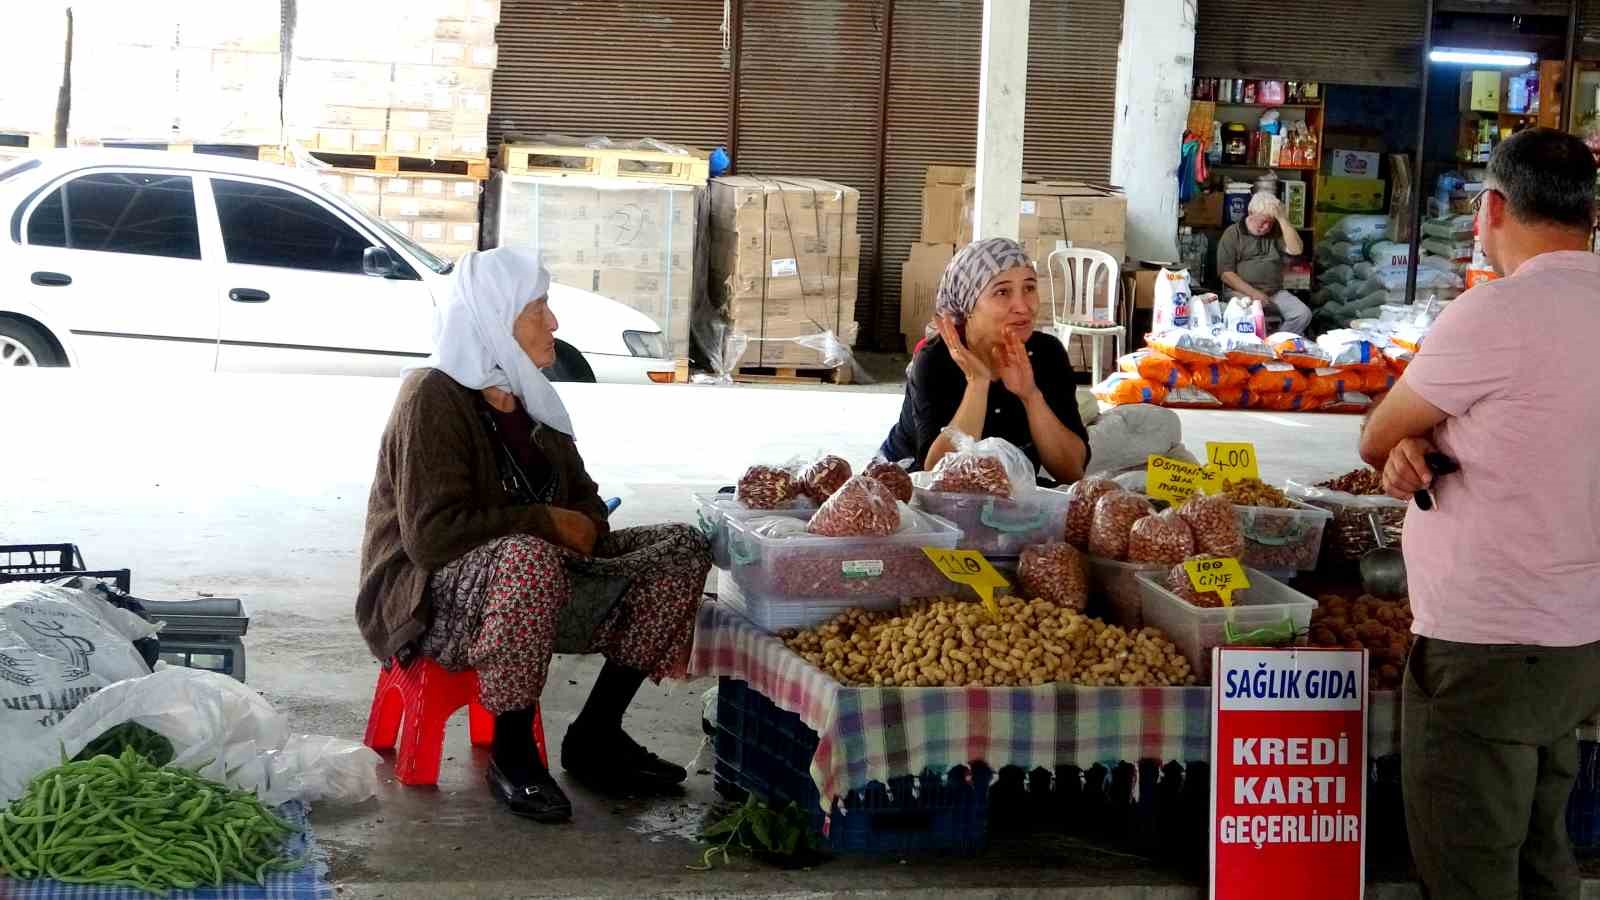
(968, 567)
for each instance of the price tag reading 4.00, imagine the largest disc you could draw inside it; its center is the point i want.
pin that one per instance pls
(1217, 576)
(1235, 461)
(968, 567)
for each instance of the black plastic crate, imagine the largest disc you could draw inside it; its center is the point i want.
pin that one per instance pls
(767, 751)
(53, 562)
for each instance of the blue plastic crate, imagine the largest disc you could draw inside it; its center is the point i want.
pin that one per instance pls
(766, 751)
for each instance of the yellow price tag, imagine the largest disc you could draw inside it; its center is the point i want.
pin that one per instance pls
(1172, 480)
(968, 567)
(1235, 461)
(1217, 576)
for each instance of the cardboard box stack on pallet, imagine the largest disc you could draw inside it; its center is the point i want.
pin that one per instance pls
(176, 72)
(632, 237)
(382, 89)
(33, 59)
(1053, 215)
(785, 264)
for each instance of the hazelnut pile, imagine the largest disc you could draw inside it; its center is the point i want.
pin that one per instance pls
(1381, 626)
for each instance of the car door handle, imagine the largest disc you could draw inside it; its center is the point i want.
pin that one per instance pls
(51, 279)
(248, 295)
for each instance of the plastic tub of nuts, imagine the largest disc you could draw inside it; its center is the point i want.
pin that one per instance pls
(774, 615)
(1267, 604)
(1282, 539)
(1349, 535)
(1115, 581)
(997, 526)
(788, 565)
(716, 509)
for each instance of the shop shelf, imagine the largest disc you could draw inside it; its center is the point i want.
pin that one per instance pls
(1115, 581)
(997, 526)
(766, 751)
(716, 509)
(1195, 629)
(801, 567)
(1282, 539)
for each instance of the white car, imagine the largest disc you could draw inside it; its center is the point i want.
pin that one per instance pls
(143, 259)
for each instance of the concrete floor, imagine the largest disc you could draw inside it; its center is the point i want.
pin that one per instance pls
(256, 486)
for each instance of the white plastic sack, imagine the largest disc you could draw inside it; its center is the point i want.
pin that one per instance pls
(1175, 308)
(219, 728)
(1388, 254)
(1339, 274)
(1360, 229)
(1125, 436)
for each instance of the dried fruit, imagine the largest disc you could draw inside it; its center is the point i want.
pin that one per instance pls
(1253, 492)
(766, 487)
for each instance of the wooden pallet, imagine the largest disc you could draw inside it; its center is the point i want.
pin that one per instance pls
(388, 164)
(26, 140)
(271, 153)
(791, 375)
(591, 162)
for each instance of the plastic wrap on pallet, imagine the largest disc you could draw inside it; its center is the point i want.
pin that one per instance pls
(631, 241)
(176, 71)
(33, 56)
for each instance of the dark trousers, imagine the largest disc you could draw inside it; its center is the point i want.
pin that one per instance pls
(1489, 755)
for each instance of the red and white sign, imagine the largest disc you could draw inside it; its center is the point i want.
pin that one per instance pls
(1288, 774)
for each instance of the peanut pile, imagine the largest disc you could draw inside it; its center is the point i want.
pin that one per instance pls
(951, 643)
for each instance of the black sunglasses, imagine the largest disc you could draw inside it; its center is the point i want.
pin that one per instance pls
(1477, 199)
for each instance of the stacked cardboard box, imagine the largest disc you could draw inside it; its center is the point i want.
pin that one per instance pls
(176, 71)
(396, 77)
(785, 264)
(631, 241)
(440, 212)
(33, 58)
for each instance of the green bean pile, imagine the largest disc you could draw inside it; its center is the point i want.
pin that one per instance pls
(124, 821)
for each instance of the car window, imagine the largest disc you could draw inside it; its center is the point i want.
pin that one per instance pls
(268, 226)
(120, 212)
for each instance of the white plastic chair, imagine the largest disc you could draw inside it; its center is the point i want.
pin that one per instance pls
(1072, 309)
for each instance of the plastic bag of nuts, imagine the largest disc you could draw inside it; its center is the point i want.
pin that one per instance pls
(991, 466)
(767, 487)
(893, 476)
(1216, 530)
(1161, 537)
(1056, 573)
(822, 478)
(1178, 582)
(1114, 515)
(1080, 507)
(863, 506)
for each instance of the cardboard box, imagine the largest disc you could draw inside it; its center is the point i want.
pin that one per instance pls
(785, 265)
(944, 197)
(1353, 164)
(919, 287)
(1204, 211)
(1083, 215)
(1350, 195)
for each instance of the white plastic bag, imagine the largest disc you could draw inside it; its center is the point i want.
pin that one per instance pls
(1389, 254)
(1125, 437)
(984, 462)
(1350, 348)
(1175, 305)
(219, 728)
(1245, 323)
(1360, 229)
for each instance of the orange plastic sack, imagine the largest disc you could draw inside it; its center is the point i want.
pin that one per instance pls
(1217, 376)
(1349, 402)
(1288, 402)
(1155, 367)
(1297, 351)
(1276, 378)
(1233, 398)
(1327, 383)
(1377, 381)
(1187, 347)
(1121, 389)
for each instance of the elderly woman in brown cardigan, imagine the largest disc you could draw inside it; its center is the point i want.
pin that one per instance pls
(487, 545)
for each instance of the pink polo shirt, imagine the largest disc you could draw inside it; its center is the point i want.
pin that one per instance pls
(1511, 553)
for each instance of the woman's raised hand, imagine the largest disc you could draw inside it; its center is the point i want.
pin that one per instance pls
(970, 364)
(1015, 369)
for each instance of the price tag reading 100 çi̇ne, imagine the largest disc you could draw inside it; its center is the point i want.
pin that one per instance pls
(1217, 576)
(968, 567)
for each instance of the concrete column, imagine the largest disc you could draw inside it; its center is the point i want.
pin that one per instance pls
(1155, 70)
(1002, 108)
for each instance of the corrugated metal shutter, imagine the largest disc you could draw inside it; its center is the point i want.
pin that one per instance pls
(620, 68)
(933, 107)
(810, 77)
(1589, 30)
(1374, 42)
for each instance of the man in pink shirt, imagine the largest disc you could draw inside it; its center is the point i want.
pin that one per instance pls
(1505, 569)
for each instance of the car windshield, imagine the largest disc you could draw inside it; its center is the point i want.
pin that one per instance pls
(437, 264)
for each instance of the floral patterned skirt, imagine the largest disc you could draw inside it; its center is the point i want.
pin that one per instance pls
(504, 608)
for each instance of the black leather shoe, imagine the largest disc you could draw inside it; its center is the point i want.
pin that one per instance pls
(614, 760)
(539, 798)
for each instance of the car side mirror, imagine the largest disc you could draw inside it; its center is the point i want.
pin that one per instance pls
(378, 262)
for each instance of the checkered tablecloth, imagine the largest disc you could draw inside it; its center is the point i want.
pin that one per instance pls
(872, 734)
(309, 882)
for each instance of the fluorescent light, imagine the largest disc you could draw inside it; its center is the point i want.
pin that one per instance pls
(1508, 59)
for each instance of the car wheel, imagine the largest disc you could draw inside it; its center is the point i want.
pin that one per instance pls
(570, 365)
(24, 346)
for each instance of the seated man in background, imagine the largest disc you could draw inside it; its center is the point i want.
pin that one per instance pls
(1250, 258)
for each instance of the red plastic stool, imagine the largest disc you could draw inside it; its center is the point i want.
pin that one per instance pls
(424, 695)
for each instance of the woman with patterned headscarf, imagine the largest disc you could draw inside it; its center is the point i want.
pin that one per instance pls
(988, 373)
(488, 547)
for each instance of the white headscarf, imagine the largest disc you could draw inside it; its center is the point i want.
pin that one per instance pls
(472, 334)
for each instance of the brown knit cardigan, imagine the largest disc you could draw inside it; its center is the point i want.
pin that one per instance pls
(437, 495)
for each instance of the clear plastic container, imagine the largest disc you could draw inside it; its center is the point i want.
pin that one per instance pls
(1282, 539)
(1195, 629)
(1114, 580)
(1349, 534)
(716, 509)
(803, 567)
(775, 615)
(997, 526)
